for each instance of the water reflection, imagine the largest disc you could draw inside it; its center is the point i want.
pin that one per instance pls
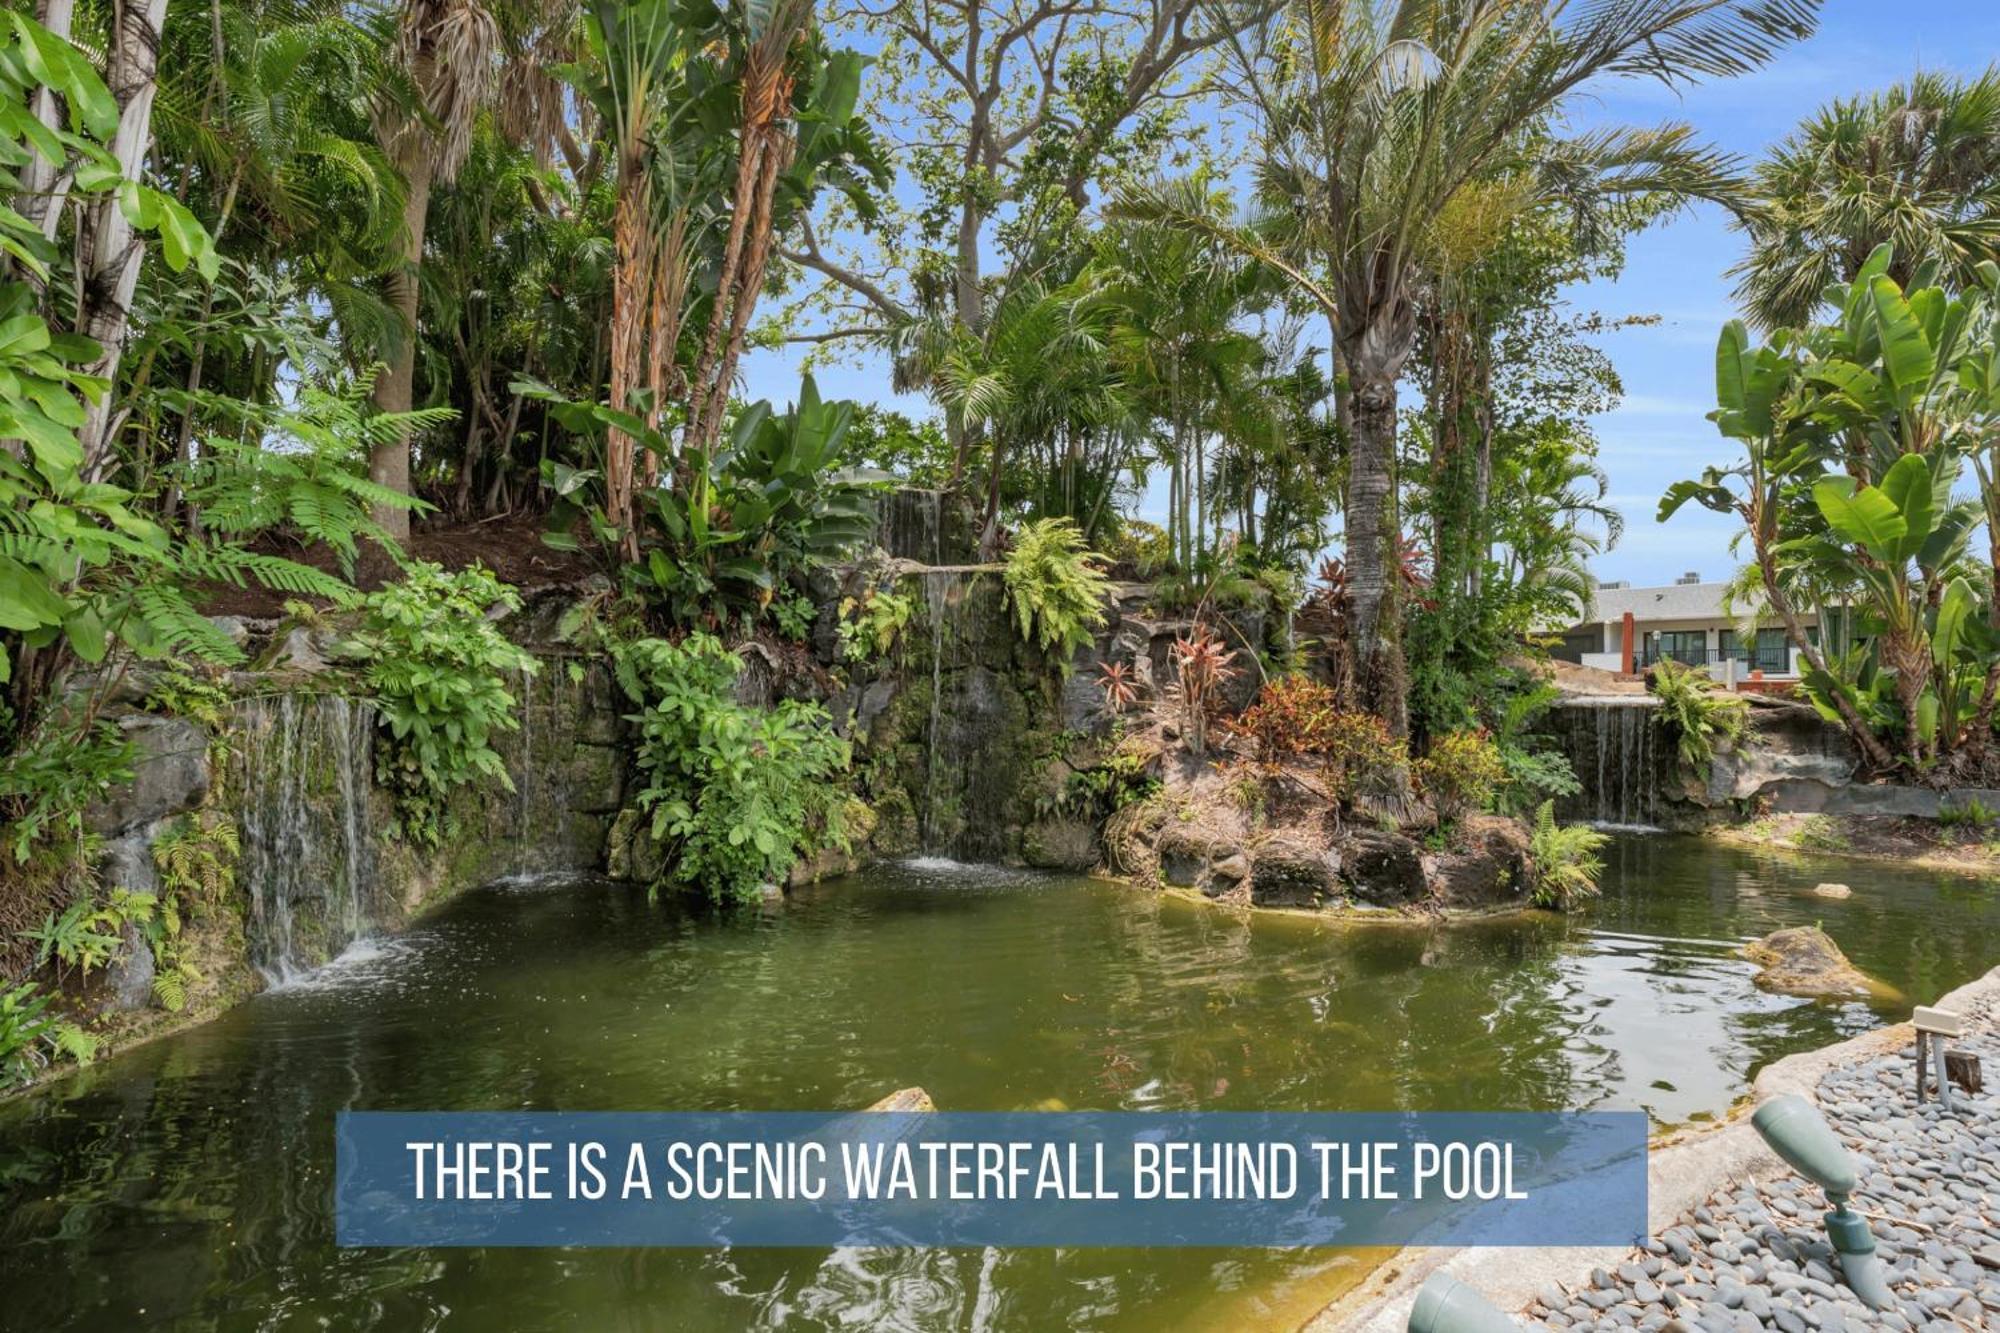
(186, 1182)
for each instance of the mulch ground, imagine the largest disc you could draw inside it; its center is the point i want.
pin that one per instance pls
(510, 545)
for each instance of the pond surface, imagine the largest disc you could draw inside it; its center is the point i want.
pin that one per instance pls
(186, 1183)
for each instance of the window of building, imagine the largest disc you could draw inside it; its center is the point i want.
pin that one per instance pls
(1688, 646)
(1768, 654)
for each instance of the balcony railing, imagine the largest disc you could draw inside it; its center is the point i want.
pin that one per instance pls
(1747, 659)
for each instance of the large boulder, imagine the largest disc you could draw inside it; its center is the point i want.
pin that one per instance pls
(1487, 867)
(1804, 960)
(170, 775)
(1383, 868)
(630, 852)
(1188, 856)
(1060, 844)
(1286, 872)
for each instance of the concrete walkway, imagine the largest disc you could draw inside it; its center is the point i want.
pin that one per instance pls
(1736, 1237)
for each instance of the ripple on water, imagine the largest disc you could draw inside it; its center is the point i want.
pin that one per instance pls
(371, 962)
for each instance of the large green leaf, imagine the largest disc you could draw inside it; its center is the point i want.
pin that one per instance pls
(1731, 348)
(1908, 360)
(1954, 609)
(1908, 484)
(1864, 516)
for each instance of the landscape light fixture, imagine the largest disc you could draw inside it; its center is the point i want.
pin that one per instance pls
(1446, 1305)
(1798, 1133)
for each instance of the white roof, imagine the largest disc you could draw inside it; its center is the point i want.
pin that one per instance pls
(1678, 601)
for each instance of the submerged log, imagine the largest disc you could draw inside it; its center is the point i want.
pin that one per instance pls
(906, 1099)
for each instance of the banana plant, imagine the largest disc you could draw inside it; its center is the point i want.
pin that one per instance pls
(1854, 435)
(774, 498)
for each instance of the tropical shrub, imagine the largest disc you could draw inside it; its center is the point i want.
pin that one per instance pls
(1296, 716)
(735, 793)
(1056, 586)
(437, 668)
(1564, 860)
(30, 1035)
(1854, 435)
(1291, 715)
(80, 937)
(52, 775)
(1461, 772)
(1143, 546)
(716, 541)
(1201, 667)
(1535, 773)
(1095, 794)
(1695, 714)
(870, 623)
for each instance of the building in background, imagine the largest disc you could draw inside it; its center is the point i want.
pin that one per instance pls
(1683, 621)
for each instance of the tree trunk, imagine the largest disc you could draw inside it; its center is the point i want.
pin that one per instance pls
(632, 237)
(395, 386)
(40, 199)
(1375, 617)
(112, 251)
(1864, 738)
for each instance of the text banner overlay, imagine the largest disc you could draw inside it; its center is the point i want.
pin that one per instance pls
(978, 1178)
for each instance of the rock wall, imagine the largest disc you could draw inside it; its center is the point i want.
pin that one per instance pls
(321, 862)
(968, 737)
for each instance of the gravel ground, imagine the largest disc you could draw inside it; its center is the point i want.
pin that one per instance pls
(1755, 1256)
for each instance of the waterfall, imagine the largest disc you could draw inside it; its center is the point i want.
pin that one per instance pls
(301, 779)
(538, 763)
(937, 601)
(909, 524)
(1614, 747)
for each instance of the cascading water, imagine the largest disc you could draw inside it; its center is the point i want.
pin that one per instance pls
(910, 525)
(301, 776)
(938, 599)
(1613, 745)
(539, 768)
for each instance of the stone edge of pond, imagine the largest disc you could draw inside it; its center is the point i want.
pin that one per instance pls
(1981, 866)
(1680, 1177)
(1333, 914)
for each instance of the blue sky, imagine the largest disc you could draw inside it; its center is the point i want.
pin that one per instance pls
(1660, 434)
(1674, 271)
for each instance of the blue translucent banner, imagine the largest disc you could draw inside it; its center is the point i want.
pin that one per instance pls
(975, 1178)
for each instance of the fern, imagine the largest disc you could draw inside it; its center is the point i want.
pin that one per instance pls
(1057, 587)
(1565, 860)
(1697, 716)
(198, 860)
(74, 1042)
(170, 989)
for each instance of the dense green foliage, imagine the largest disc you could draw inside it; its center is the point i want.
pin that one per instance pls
(776, 500)
(31, 1034)
(1696, 715)
(1564, 860)
(736, 794)
(1854, 435)
(1460, 773)
(438, 669)
(1056, 586)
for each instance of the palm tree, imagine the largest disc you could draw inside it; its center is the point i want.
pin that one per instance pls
(452, 57)
(1038, 369)
(1916, 167)
(1175, 294)
(1376, 115)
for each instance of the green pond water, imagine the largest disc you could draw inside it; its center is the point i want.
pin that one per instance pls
(186, 1183)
